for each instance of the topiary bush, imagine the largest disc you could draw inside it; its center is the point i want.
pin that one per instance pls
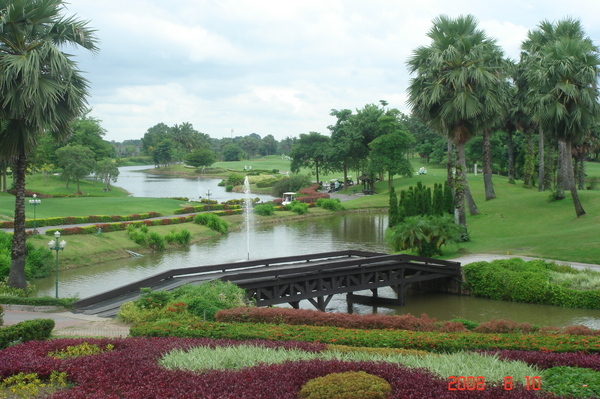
(348, 385)
(212, 221)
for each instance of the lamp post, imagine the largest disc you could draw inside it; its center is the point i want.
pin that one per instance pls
(54, 245)
(35, 202)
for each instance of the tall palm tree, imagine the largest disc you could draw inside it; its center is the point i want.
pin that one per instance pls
(457, 89)
(41, 91)
(563, 71)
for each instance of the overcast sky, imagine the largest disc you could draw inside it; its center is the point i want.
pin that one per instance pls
(273, 66)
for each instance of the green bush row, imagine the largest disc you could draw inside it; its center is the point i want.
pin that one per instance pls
(24, 331)
(212, 221)
(108, 227)
(57, 221)
(428, 341)
(520, 281)
(66, 303)
(204, 208)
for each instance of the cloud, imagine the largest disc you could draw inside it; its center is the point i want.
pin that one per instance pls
(270, 66)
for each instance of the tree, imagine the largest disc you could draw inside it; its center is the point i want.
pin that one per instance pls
(77, 162)
(107, 171)
(388, 152)
(41, 89)
(425, 234)
(563, 69)
(232, 152)
(163, 153)
(458, 89)
(200, 157)
(310, 151)
(88, 132)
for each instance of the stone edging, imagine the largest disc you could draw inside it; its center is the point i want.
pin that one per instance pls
(32, 308)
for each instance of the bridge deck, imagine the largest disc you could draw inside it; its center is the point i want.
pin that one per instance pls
(290, 279)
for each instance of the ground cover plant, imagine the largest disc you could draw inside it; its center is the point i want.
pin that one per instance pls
(186, 303)
(440, 342)
(132, 370)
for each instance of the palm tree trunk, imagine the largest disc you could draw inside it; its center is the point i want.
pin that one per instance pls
(16, 276)
(487, 166)
(460, 186)
(570, 180)
(450, 164)
(511, 157)
(541, 170)
(559, 192)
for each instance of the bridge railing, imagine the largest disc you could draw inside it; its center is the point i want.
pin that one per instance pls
(224, 267)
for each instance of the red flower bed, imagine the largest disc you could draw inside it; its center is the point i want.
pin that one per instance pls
(316, 318)
(546, 360)
(131, 371)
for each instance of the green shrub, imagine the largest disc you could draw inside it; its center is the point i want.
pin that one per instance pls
(66, 303)
(469, 324)
(203, 308)
(1, 315)
(153, 299)
(330, 204)
(83, 349)
(234, 180)
(424, 234)
(297, 207)
(348, 385)
(212, 221)
(37, 329)
(229, 188)
(520, 281)
(156, 241)
(290, 183)
(264, 209)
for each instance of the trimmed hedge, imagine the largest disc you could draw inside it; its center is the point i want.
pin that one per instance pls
(66, 303)
(428, 341)
(67, 220)
(520, 281)
(204, 208)
(37, 329)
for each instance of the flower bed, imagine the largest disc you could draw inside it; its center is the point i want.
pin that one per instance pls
(429, 341)
(130, 370)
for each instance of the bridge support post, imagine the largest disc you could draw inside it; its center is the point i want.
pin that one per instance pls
(295, 304)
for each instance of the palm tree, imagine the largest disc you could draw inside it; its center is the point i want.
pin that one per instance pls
(563, 71)
(458, 88)
(41, 91)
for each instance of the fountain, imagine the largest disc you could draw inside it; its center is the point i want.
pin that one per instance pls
(247, 213)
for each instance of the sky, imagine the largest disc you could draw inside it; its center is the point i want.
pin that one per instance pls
(236, 67)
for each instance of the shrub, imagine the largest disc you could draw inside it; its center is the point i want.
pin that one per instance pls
(235, 180)
(229, 188)
(469, 324)
(290, 183)
(330, 204)
(83, 349)
(212, 221)
(347, 385)
(24, 331)
(264, 209)
(156, 241)
(1, 315)
(297, 207)
(424, 234)
(153, 299)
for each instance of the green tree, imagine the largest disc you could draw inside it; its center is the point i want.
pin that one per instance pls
(77, 162)
(88, 132)
(107, 170)
(458, 88)
(563, 71)
(232, 152)
(164, 153)
(389, 151)
(393, 209)
(310, 151)
(200, 157)
(41, 89)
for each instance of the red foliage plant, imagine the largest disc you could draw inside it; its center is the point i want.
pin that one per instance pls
(316, 318)
(131, 371)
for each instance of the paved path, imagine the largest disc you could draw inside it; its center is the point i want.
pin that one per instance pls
(68, 323)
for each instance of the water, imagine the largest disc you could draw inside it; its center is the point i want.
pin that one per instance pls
(247, 214)
(141, 184)
(299, 237)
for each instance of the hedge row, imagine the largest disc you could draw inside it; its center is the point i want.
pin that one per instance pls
(67, 220)
(520, 281)
(108, 227)
(204, 208)
(37, 329)
(428, 341)
(32, 301)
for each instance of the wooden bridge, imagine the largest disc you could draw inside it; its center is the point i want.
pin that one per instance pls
(315, 277)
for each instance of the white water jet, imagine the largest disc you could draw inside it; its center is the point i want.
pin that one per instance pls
(247, 213)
